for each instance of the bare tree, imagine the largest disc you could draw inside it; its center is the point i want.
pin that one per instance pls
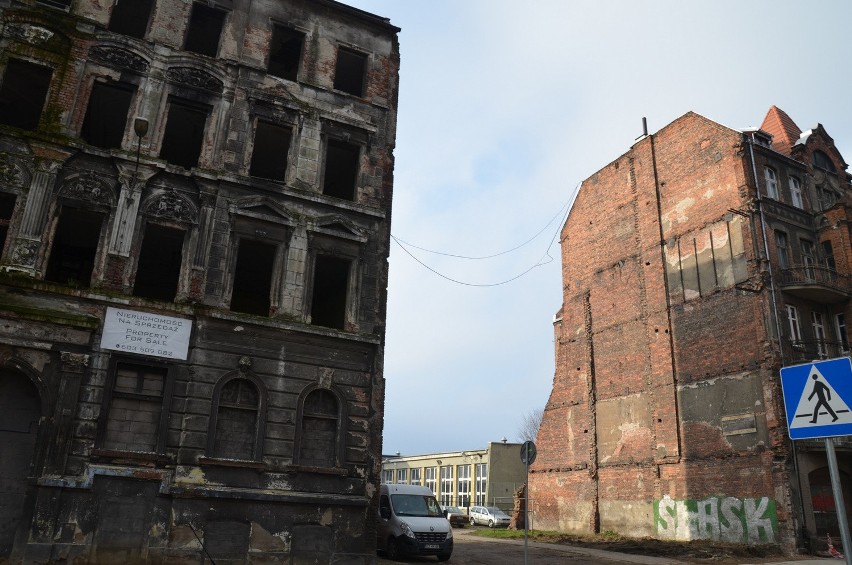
(530, 424)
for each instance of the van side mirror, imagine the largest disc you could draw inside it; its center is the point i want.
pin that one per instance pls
(384, 512)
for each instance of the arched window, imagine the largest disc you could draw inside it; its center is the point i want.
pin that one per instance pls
(237, 419)
(319, 429)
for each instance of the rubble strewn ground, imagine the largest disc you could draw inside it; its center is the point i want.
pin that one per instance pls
(698, 551)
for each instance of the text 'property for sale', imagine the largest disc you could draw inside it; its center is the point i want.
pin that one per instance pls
(146, 334)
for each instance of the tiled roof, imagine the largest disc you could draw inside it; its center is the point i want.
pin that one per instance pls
(783, 129)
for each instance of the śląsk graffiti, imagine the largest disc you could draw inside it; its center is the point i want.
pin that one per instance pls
(736, 520)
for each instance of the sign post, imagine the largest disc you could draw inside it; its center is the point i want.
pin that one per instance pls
(528, 453)
(816, 398)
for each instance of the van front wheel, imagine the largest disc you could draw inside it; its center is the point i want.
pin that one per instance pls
(392, 549)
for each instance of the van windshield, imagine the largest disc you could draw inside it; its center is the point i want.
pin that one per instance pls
(415, 505)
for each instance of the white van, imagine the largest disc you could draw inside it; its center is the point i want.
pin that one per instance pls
(411, 523)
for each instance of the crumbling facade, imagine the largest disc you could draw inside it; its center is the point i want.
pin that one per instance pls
(195, 210)
(695, 266)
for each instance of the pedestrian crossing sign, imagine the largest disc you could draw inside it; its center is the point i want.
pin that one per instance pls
(817, 397)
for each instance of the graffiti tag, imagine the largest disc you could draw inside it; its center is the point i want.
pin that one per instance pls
(746, 520)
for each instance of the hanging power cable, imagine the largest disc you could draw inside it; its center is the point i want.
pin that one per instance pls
(564, 211)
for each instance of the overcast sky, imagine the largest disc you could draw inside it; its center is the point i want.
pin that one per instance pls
(504, 107)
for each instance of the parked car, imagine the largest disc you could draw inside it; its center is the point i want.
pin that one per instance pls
(491, 516)
(456, 516)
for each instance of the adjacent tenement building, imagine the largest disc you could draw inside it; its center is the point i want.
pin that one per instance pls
(194, 221)
(695, 266)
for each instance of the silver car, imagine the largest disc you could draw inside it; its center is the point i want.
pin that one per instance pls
(491, 516)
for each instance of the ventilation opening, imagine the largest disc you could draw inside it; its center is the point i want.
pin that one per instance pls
(205, 29)
(63, 5)
(72, 257)
(184, 133)
(349, 72)
(253, 278)
(106, 116)
(130, 17)
(23, 94)
(7, 206)
(341, 169)
(331, 280)
(160, 259)
(269, 156)
(285, 52)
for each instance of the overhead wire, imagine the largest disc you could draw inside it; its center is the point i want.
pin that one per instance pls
(540, 263)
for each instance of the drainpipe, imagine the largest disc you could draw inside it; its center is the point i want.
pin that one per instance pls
(750, 140)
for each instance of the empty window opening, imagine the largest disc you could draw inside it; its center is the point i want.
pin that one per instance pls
(7, 206)
(23, 93)
(72, 257)
(253, 278)
(236, 420)
(269, 156)
(135, 409)
(318, 446)
(160, 259)
(205, 29)
(341, 169)
(828, 255)
(349, 71)
(285, 52)
(823, 161)
(106, 116)
(331, 281)
(184, 133)
(130, 17)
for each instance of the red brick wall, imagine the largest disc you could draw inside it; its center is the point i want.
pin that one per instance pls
(614, 434)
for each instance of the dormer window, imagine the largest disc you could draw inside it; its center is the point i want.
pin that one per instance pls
(822, 161)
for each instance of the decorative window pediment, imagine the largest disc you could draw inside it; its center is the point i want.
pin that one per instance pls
(88, 186)
(119, 57)
(338, 226)
(262, 208)
(169, 205)
(195, 78)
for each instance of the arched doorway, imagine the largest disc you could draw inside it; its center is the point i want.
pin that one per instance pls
(20, 411)
(822, 500)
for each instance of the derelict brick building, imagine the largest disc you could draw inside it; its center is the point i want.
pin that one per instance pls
(194, 221)
(695, 266)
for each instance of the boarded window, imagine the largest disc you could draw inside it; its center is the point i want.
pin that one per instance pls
(285, 52)
(253, 278)
(318, 446)
(72, 257)
(184, 133)
(136, 408)
(130, 17)
(331, 281)
(236, 420)
(349, 71)
(160, 259)
(205, 29)
(7, 206)
(106, 116)
(23, 93)
(269, 156)
(341, 169)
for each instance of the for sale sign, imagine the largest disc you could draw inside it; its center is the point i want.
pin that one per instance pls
(144, 333)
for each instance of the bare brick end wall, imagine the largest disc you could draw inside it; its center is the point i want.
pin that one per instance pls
(657, 374)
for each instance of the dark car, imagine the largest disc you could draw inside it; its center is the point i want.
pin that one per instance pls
(456, 516)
